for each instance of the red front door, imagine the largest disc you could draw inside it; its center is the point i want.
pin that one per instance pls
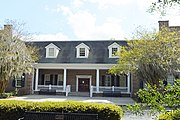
(83, 84)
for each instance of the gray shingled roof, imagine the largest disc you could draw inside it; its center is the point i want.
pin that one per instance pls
(98, 53)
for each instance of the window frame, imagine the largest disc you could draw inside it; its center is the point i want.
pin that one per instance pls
(54, 52)
(111, 47)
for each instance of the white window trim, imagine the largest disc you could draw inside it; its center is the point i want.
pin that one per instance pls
(56, 50)
(114, 45)
(82, 45)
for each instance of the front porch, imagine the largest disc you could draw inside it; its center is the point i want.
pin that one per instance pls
(80, 79)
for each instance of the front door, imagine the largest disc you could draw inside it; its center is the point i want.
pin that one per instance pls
(83, 84)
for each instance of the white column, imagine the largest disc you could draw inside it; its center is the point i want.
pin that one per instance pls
(97, 80)
(36, 80)
(64, 82)
(128, 83)
(32, 92)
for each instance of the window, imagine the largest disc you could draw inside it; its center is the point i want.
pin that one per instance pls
(51, 79)
(58, 79)
(47, 79)
(82, 52)
(114, 80)
(51, 52)
(113, 49)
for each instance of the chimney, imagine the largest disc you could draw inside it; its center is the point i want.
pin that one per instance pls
(163, 24)
(8, 30)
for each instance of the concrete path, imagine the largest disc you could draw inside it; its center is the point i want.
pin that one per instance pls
(41, 98)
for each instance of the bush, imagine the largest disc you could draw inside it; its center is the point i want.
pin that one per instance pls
(170, 115)
(6, 95)
(12, 110)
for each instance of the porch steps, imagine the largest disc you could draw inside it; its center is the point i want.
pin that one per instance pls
(79, 94)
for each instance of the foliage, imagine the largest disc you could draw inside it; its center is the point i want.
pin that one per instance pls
(15, 57)
(170, 115)
(7, 95)
(158, 98)
(161, 6)
(150, 55)
(12, 110)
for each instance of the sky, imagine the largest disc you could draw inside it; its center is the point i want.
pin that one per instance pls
(59, 20)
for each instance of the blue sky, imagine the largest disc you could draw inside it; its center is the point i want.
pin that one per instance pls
(82, 19)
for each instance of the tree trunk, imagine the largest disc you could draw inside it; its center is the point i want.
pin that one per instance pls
(3, 85)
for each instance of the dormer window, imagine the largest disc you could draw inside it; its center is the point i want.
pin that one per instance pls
(82, 51)
(52, 51)
(113, 49)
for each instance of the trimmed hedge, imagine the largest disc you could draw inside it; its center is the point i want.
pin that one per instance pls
(12, 110)
(170, 115)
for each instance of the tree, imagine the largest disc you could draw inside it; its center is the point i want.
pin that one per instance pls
(150, 55)
(16, 57)
(157, 98)
(162, 6)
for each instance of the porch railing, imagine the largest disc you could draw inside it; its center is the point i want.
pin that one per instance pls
(109, 88)
(55, 87)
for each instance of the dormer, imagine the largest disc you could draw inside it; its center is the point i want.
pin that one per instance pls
(82, 51)
(113, 49)
(52, 51)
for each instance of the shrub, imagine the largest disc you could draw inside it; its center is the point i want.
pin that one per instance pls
(6, 95)
(170, 115)
(12, 110)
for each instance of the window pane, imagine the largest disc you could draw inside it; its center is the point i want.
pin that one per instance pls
(114, 50)
(82, 52)
(123, 80)
(106, 80)
(51, 52)
(47, 79)
(60, 79)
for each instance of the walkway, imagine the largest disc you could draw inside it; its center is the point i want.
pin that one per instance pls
(42, 98)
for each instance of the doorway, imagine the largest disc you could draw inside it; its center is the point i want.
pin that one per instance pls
(83, 83)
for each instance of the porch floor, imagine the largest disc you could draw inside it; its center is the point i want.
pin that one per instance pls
(56, 98)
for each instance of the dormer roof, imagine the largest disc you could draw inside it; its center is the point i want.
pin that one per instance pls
(51, 45)
(82, 45)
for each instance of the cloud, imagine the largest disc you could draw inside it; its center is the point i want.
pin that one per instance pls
(78, 3)
(109, 3)
(50, 37)
(85, 27)
(46, 7)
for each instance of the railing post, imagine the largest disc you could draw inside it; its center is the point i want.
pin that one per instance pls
(91, 91)
(113, 88)
(68, 89)
(50, 86)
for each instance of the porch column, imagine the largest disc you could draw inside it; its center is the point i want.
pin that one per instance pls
(36, 80)
(64, 82)
(128, 83)
(97, 80)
